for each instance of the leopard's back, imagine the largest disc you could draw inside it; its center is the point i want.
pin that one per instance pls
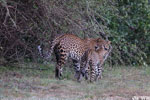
(72, 45)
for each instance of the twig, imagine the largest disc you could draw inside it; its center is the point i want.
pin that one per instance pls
(8, 15)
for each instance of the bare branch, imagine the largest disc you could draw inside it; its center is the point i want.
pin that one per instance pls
(8, 15)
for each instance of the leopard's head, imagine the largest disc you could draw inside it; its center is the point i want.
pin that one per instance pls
(104, 48)
(103, 44)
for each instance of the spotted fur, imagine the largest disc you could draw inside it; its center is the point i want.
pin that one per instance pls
(95, 60)
(70, 46)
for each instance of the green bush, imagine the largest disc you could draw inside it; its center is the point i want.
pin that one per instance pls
(125, 22)
(128, 22)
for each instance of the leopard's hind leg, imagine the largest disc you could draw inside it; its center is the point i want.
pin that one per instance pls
(61, 58)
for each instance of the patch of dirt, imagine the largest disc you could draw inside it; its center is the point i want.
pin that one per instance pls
(116, 98)
(124, 94)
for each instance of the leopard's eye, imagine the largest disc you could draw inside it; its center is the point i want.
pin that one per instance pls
(106, 48)
(96, 47)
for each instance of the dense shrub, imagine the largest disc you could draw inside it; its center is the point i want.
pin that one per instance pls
(130, 30)
(25, 24)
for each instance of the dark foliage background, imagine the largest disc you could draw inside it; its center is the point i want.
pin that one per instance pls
(25, 24)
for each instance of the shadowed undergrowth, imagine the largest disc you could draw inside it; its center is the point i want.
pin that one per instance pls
(38, 83)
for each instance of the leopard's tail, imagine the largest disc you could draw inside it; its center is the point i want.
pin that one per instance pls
(53, 44)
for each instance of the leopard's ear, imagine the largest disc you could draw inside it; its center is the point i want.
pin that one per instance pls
(99, 39)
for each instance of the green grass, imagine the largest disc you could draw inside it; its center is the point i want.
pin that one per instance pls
(37, 82)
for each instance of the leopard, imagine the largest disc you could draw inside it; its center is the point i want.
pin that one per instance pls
(95, 59)
(68, 46)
